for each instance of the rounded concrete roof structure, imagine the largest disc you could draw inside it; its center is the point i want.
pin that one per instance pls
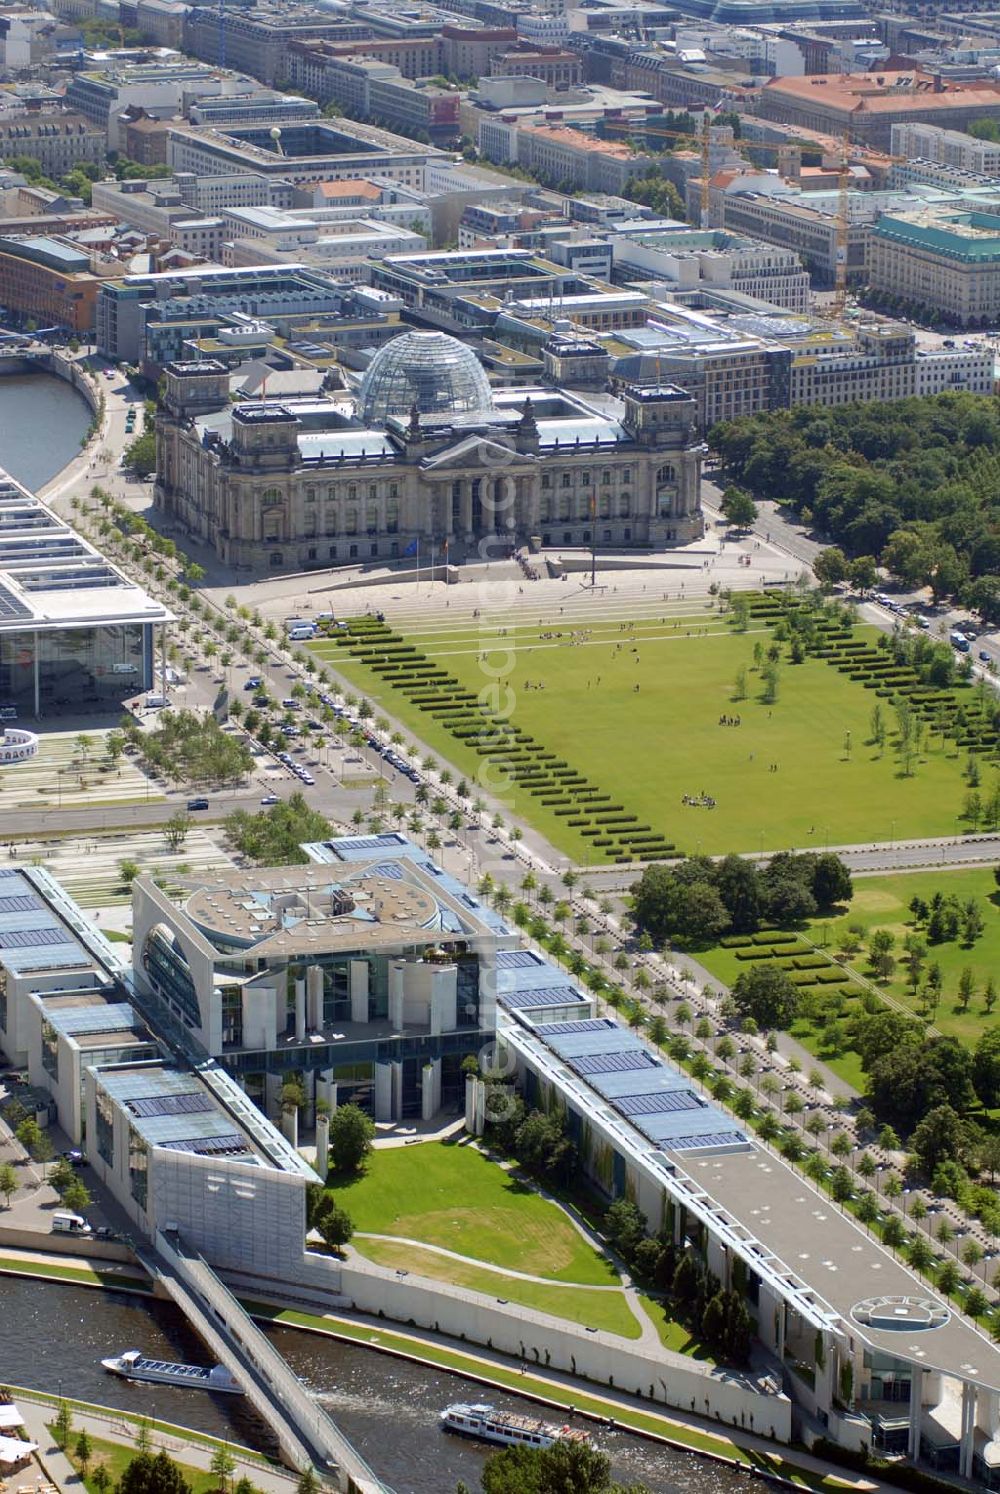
(430, 370)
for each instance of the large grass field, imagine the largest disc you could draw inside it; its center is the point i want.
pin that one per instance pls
(882, 902)
(649, 747)
(453, 1197)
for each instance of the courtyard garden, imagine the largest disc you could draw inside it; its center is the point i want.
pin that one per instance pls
(740, 736)
(453, 1214)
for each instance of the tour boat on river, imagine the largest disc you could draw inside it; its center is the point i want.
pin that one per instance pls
(509, 1429)
(133, 1366)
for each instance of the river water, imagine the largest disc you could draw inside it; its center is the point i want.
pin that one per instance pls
(52, 1337)
(42, 424)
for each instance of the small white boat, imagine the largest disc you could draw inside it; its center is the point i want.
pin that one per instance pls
(507, 1428)
(133, 1366)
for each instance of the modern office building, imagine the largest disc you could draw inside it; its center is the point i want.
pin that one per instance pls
(162, 89)
(686, 260)
(75, 632)
(372, 975)
(932, 144)
(183, 1154)
(67, 1032)
(339, 245)
(294, 485)
(53, 280)
(368, 974)
(321, 151)
(48, 947)
(867, 1350)
(147, 318)
(260, 106)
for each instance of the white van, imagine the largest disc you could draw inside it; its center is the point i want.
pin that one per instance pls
(303, 630)
(69, 1224)
(155, 702)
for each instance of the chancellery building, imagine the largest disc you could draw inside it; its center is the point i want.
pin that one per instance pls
(432, 458)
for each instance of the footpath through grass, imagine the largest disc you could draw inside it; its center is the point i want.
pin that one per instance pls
(882, 902)
(575, 693)
(450, 1195)
(604, 1308)
(114, 1458)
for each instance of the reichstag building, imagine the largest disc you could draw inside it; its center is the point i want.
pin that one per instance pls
(433, 462)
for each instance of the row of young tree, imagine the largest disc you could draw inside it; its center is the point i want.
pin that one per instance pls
(911, 483)
(148, 1471)
(697, 900)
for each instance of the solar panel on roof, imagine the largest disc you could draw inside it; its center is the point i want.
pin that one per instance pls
(566, 1029)
(368, 842)
(8, 872)
(613, 1063)
(28, 938)
(661, 1104)
(717, 1138)
(231, 1144)
(87, 1019)
(190, 1102)
(390, 869)
(24, 902)
(516, 959)
(12, 606)
(547, 996)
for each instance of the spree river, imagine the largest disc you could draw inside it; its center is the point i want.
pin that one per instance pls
(42, 424)
(53, 1336)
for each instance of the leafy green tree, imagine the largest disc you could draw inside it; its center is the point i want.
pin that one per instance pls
(63, 1424)
(351, 1135)
(768, 995)
(275, 836)
(82, 1450)
(941, 1136)
(149, 1474)
(563, 1468)
(739, 508)
(8, 1182)
(77, 1196)
(222, 1465)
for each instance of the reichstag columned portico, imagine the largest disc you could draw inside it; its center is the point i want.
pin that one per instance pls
(432, 460)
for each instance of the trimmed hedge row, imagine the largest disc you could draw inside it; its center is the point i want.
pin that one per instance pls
(549, 778)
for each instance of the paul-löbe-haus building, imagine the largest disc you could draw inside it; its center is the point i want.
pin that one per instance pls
(432, 454)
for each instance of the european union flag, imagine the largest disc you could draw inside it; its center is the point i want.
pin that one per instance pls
(412, 547)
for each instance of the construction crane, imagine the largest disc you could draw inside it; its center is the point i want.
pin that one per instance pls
(842, 231)
(703, 140)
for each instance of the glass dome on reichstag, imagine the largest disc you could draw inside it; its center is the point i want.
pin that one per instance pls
(437, 373)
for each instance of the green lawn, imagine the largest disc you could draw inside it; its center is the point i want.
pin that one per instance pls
(673, 743)
(673, 1335)
(882, 902)
(453, 1196)
(115, 1458)
(489, 1372)
(594, 1307)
